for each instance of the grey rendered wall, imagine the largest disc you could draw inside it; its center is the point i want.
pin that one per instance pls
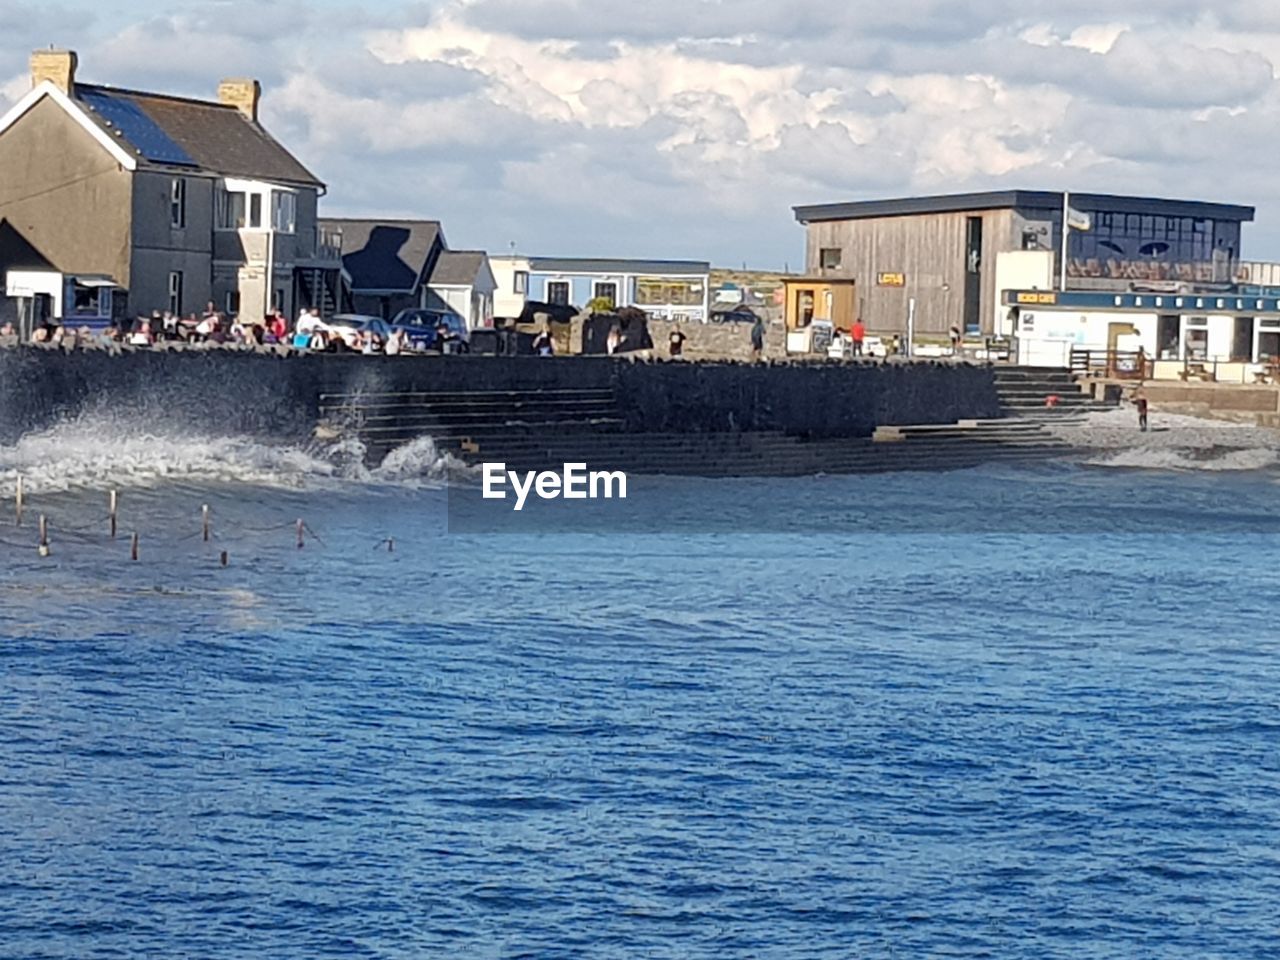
(65, 193)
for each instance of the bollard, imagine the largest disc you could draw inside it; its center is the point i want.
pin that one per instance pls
(133, 547)
(18, 502)
(204, 523)
(112, 503)
(44, 536)
(222, 558)
(301, 533)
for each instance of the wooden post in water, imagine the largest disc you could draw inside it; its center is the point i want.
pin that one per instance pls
(391, 544)
(204, 523)
(18, 503)
(44, 536)
(222, 558)
(113, 503)
(301, 533)
(133, 547)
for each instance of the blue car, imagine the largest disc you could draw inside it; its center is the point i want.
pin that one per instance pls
(433, 330)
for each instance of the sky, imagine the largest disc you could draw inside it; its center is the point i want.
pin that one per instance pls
(690, 128)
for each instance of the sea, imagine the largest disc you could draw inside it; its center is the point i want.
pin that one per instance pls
(1015, 711)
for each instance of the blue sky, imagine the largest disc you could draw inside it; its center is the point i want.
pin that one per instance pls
(689, 128)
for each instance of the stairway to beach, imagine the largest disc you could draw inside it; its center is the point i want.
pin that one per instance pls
(1024, 392)
(544, 429)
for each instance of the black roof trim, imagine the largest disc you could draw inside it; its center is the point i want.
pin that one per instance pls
(1024, 199)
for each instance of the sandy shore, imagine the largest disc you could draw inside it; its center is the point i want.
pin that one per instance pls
(1173, 441)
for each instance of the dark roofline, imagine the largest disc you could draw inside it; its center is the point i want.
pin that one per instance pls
(616, 265)
(328, 219)
(151, 93)
(1023, 199)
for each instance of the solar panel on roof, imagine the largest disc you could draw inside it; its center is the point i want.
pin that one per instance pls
(138, 128)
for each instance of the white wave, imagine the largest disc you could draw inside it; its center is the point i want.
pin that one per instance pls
(1174, 458)
(96, 449)
(420, 461)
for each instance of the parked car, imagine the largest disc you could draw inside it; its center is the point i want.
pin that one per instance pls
(738, 314)
(424, 328)
(349, 326)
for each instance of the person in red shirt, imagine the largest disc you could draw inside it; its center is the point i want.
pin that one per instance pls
(858, 334)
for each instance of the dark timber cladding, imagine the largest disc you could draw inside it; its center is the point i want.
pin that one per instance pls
(941, 250)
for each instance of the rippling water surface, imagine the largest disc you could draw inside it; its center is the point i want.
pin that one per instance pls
(683, 744)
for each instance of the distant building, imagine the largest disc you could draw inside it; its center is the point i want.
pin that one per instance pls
(387, 261)
(665, 289)
(943, 251)
(393, 265)
(165, 202)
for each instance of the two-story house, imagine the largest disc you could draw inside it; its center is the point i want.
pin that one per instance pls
(169, 202)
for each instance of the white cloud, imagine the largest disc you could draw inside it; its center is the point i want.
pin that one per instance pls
(689, 127)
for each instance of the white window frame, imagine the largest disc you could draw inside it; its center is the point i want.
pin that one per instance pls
(175, 292)
(567, 284)
(597, 284)
(284, 211)
(178, 203)
(520, 282)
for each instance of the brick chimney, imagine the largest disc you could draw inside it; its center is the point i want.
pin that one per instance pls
(56, 65)
(241, 93)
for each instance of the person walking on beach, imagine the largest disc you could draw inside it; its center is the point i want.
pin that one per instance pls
(1140, 401)
(757, 339)
(859, 334)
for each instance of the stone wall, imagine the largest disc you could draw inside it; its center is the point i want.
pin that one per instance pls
(261, 393)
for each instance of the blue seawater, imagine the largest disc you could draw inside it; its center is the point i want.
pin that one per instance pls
(1048, 729)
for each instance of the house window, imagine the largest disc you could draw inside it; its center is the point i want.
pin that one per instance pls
(607, 291)
(178, 203)
(558, 292)
(175, 292)
(255, 210)
(233, 302)
(829, 258)
(521, 282)
(284, 211)
(230, 211)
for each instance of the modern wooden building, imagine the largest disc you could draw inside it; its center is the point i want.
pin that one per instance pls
(942, 251)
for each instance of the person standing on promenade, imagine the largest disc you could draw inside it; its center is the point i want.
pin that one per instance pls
(956, 340)
(1140, 401)
(859, 334)
(757, 339)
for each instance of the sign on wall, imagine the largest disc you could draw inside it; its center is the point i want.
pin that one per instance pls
(891, 279)
(1037, 298)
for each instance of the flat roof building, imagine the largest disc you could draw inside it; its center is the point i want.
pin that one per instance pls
(943, 251)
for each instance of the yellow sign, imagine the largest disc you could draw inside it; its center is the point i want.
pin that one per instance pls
(891, 279)
(1037, 298)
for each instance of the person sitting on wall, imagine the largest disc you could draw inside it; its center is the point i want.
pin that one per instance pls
(676, 342)
(6, 330)
(544, 345)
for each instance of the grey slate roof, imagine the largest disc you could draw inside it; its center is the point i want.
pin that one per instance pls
(458, 267)
(385, 254)
(1022, 199)
(613, 266)
(217, 137)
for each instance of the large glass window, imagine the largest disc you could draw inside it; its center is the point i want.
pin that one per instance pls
(284, 211)
(231, 209)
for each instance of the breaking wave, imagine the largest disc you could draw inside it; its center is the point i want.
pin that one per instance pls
(95, 449)
(1190, 458)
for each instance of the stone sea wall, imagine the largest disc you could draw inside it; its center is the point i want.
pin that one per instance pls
(264, 394)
